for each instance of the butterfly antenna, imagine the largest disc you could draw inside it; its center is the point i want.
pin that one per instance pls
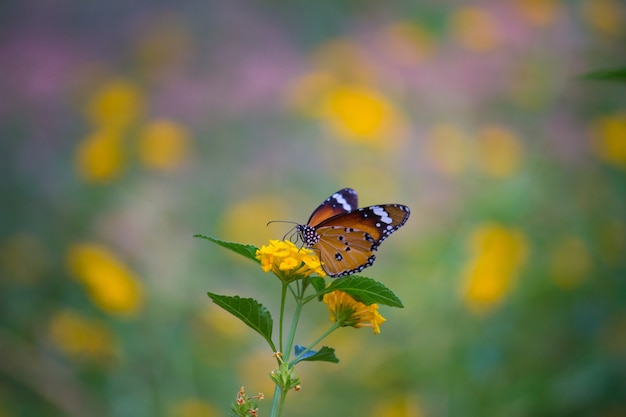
(280, 221)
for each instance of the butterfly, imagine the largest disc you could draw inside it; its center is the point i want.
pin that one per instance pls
(346, 236)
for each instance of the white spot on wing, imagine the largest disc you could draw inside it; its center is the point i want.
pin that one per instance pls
(344, 204)
(384, 216)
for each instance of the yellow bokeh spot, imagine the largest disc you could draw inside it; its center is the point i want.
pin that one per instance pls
(246, 220)
(163, 145)
(23, 259)
(192, 407)
(500, 151)
(100, 157)
(398, 406)
(475, 29)
(497, 254)
(448, 149)
(606, 16)
(110, 284)
(115, 106)
(538, 12)
(79, 336)
(570, 263)
(360, 114)
(609, 139)
(224, 323)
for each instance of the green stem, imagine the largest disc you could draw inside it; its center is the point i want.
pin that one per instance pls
(292, 332)
(276, 405)
(334, 327)
(283, 296)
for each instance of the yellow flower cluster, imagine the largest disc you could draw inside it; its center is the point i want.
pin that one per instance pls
(80, 336)
(498, 254)
(116, 113)
(349, 312)
(110, 284)
(288, 262)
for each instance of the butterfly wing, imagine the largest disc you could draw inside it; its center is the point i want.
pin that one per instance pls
(343, 201)
(344, 251)
(347, 241)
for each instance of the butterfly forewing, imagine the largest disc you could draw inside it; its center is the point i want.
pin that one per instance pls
(343, 201)
(379, 221)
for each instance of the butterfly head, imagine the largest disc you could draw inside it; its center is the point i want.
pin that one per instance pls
(308, 235)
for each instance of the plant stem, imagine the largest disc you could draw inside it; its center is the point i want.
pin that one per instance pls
(276, 407)
(283, 296)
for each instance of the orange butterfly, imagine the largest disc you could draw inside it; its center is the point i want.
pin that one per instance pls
(346, 236)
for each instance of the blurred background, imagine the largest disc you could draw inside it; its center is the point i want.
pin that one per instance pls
(127, 127)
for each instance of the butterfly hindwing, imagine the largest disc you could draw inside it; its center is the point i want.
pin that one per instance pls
(343, 201)
(344, 251)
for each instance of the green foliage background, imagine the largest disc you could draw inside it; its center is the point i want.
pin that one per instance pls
(511, 269)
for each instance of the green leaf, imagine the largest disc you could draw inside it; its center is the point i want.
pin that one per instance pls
(364, 290)
(319, 284)
(250, 311)
(249, 251)
(325, 354)
(618, 74)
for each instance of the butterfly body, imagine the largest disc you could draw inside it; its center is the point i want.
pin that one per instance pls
(346, 236)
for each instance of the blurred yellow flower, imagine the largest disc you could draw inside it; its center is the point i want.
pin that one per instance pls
(163, 144)
(115, 106)
(500, 151)
(246, 220)
(606, 16)
(111, 286)
(100, 157)
(608, 136)
(80, 336)
(398, 406)
(538, 12)
(497, 255)
(475, 28)
(361, 114)
(288, 262)
(349, 312)
(570, 263)
(192, 407)
(23, 259)
(448, 149)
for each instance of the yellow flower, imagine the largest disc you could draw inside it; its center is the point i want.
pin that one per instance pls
(498, 253)
(111, 286)
(538, 12)
(360, 114)
(346, 311)
(192, 407)
(499, 151)
(288, 262)
(163, 144)
(609, 139)
(100, 156)
(475, 29)
(80, 336)
(115, 106)
(606, 16)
